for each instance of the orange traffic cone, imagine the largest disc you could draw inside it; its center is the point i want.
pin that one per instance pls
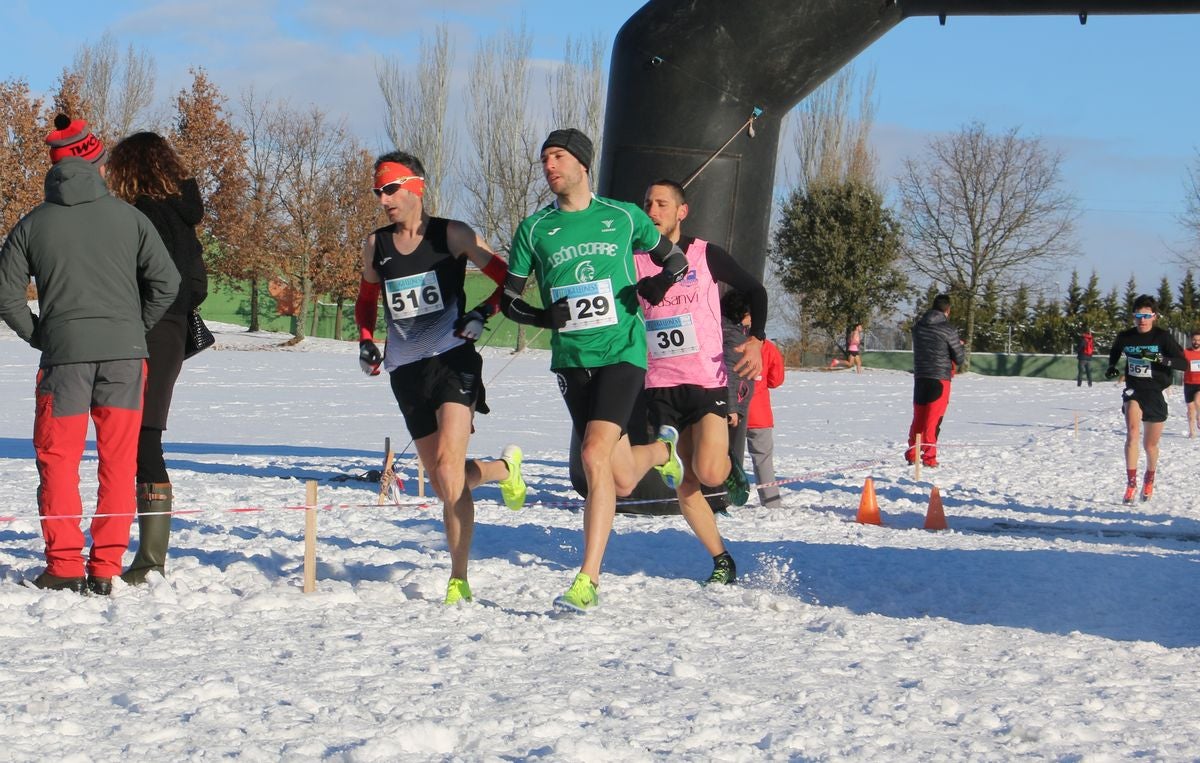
(868, 507)
(935, 518)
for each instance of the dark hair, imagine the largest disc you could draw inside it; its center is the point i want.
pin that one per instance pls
(680, 194)
(1145, 300)
(144, 164)
(735, 306)
(941, 303)
(405, 158)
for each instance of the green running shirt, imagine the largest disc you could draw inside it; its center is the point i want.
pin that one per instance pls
(587, 256)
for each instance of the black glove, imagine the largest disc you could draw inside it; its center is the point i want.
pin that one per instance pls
(654, 288)
(470, 325)
(1111, 372)
(369, 357)
(559, 313)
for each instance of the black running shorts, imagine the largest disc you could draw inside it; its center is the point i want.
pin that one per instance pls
(1189, 393)
(423, 386)
(685, 404)
(1151, 401)
(607, 393)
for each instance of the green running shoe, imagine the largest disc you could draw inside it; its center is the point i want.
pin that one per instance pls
(457, 590)
(672, 471)
(724, 570)
(737, 487)
(512, 487)
(580, 597)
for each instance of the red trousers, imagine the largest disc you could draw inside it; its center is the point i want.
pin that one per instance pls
(110, 394)
(930, 399)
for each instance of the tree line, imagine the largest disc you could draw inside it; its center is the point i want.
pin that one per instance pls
(287, 189)
(979, 214)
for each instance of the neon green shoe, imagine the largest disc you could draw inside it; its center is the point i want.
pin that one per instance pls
(512, 487)
(724, 570)
(457, 590)
(580, 597)
(672, 471)
(737, 486)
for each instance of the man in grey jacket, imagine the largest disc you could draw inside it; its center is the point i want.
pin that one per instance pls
(104, 279)
(937, 352)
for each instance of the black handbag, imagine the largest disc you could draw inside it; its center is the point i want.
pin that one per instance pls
(198, 336)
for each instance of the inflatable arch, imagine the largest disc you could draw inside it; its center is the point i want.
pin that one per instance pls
(724, 67)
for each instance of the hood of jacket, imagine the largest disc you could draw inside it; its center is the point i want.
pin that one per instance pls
(188, 204)
(74, 181)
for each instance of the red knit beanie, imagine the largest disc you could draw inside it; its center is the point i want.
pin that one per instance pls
(71, 137)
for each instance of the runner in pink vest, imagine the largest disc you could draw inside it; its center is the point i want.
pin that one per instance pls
(686, 380)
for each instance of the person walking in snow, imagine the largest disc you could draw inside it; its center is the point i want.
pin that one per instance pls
(418, 262)
(937, 352)
(104, 279)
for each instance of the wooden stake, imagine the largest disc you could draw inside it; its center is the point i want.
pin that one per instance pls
(919, 457)
(1076, 425)
(420, 478)
(310, 538)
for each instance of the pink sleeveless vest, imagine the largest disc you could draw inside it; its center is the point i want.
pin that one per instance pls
(683, 333)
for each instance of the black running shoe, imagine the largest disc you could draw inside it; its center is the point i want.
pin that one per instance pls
(724, 571)
(99, 586)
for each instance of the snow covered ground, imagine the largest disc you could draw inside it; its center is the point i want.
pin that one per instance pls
(1049, 622)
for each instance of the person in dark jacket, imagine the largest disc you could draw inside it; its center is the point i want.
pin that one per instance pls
(937, 352)
(104, 279)
(145, 171)
(1151, 355)
(735, 307)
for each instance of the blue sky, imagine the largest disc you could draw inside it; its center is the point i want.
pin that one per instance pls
(1117, 97)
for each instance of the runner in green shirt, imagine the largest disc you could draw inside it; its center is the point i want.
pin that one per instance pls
(580, 247)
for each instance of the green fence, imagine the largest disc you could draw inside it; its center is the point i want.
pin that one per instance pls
(230, 303)
(997, 364)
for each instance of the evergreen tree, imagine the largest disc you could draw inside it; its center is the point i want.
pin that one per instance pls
(837, 249)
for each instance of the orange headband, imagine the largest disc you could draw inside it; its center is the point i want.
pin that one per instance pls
(394, 172)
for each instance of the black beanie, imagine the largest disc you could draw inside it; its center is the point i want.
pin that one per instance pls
(574, 142)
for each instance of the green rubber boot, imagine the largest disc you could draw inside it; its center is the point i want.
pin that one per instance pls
(154, 532)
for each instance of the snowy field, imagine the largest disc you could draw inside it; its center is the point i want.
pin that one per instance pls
(1050, 622)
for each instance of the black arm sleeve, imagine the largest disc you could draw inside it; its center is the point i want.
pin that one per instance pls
(727, 270)
(667, 254)
(1114, 354)
(517, 309)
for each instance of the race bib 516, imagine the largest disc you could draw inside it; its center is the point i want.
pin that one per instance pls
(415, 295)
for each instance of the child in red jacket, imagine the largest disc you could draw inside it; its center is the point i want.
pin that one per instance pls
(760, 438)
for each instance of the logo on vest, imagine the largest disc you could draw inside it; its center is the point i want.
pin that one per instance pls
(586, 249)
(608, 227)
(585, 272)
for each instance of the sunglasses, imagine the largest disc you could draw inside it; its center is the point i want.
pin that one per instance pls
(1142, 316)
(394, 186)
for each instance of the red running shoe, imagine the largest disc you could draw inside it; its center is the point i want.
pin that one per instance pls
(1147, 491)
(1129, 491)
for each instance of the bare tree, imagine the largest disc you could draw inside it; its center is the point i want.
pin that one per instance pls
(119, 90)
(416, 114)
(352, 213)
(980, 207)
(307, 146)
(508, 181)
(834, 213)
(253, 253)
(1191, 216)
(831, 139)
(577, 88)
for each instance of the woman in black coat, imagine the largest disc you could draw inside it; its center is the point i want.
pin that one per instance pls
(145, 171)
